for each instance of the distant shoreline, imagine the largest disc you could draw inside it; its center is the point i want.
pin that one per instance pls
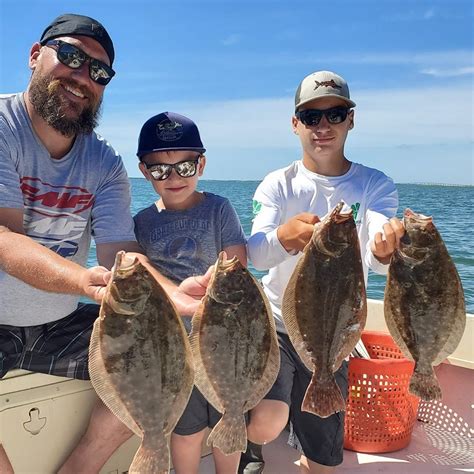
(258, 180)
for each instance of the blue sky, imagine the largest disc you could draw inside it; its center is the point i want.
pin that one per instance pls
(233, 67)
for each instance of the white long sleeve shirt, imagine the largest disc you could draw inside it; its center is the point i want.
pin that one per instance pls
(289, 191)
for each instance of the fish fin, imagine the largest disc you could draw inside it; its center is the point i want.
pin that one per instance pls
(273, 362)
(458, 324)
(288, 313)
(102, 385)
(323, 398)
(350, 335)
(201, 379)
(425, 385)
(391, 310)
(229, 435)
(152, 456)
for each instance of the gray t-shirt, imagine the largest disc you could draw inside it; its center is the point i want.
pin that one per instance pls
(186, 242)
(86, 193)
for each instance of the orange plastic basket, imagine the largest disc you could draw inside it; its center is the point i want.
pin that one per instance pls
(380, 413)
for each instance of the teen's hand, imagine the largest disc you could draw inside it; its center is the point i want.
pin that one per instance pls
(94, 282)
(385, 243)
(297, 232)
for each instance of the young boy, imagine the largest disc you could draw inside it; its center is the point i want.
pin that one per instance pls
(182, 233)
(288, 203)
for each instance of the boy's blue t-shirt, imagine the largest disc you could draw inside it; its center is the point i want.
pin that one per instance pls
(186, 242)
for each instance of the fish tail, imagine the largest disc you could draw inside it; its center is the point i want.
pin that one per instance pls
(152, 457)
(425, 385)
(323, 398)
(229, 435)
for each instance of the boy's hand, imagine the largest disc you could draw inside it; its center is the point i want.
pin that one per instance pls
(297, 232)
(196, 286)
(187, 296)
(385, 243)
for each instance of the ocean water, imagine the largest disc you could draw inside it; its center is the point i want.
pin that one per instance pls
(452, 208)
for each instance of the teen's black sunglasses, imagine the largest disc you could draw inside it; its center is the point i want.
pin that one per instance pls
(312, 117)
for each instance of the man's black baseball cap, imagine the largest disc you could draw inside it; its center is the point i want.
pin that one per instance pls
(71, 24)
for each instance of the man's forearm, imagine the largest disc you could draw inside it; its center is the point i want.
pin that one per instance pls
(36, 265)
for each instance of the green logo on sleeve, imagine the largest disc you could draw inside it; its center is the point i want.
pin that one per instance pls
(257, 207)
(355, 209)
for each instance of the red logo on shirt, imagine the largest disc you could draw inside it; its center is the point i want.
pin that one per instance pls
(73, 198)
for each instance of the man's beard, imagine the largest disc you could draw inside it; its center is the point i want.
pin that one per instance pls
(44, 96)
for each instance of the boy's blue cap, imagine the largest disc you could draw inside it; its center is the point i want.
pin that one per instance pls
(169, 131)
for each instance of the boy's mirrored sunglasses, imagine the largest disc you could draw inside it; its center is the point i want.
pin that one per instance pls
(312, 117)
(185, 169)
(74, 58)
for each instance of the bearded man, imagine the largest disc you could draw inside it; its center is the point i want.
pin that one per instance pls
(60, 185)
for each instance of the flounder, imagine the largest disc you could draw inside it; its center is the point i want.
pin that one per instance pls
(325, 307)
(235, 350)
(140, 361)
(424, 302)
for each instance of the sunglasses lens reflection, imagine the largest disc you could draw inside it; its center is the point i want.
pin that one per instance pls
(74, 58)
(312, 117)
(162, 171)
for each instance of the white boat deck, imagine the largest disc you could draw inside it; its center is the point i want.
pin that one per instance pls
(432, 450)
(442, 443)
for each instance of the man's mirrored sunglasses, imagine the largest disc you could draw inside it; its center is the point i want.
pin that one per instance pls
(74, 58)
(311, 117)
(185, 169)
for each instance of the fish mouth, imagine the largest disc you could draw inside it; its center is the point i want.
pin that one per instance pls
(223, 263)
(415, 219)
(410, 214)
(337, 216)
(124, 264)
(224, 266)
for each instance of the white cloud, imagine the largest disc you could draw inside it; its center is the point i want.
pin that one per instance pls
(414, 15)
(383, 118)
(425, 116)
(462, 71)
(231, 40)
(428, 14)
(428, 58)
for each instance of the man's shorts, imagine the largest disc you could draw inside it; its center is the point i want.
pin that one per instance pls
(57, 348)
(320, 439)
(198, 414)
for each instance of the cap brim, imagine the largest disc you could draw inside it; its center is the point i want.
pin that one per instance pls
(349, 102)
(146, 152)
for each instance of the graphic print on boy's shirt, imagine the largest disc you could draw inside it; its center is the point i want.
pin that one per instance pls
(55, 215)
(169, 239)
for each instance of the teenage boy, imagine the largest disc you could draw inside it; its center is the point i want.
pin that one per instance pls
(287, 204)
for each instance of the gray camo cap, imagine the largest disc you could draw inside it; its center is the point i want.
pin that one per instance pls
(322, 84)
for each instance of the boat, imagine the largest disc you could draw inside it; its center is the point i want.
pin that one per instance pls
(45, 416)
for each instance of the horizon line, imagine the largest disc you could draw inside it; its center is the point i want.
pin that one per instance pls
(427, 183)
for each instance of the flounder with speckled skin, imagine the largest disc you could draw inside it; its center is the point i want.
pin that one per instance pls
(235, 350)
(325, 307)
(424, 302)
(140, 361)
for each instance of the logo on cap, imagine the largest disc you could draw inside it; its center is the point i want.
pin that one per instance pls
(330, 83)
(169, 131)
(97, 30)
